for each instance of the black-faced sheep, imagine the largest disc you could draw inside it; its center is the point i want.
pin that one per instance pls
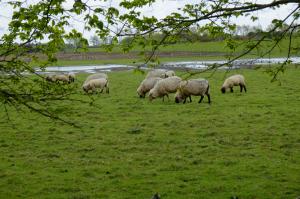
(235, 80)
(146, 85)
(164, 86)
(157, 73)
(196, 87)
(162, 73)
(93, 84)
(58, 78)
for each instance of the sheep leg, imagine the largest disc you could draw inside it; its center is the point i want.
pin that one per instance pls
(201, 99)
(208, 96)
(231, 89)
(107, 90)
(241, 88)
(101, 91)
(184, 100)
(190, 98)
(168, 97)
(245, 89)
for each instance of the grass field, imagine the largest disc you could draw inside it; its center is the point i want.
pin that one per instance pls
(244, 145)
(213, 46)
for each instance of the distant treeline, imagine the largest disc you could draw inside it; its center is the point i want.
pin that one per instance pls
(193, 34)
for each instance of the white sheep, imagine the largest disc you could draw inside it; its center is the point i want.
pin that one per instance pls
(170, 73)
(146, 85)
(157, 73)
(164, 86)
(58, 78)
(49, 78)
(196, 87)
(71, 76)
(96, 76)
(93, 84)
(234, 80)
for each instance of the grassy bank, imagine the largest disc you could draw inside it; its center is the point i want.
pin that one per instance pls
(211, 46)
(215, 50)
(133, 62)
(244, 145)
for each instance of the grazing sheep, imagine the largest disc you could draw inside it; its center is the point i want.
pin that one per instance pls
(235, 80)
(162, 73)
(96, 76)
(157, 73)
(147, 85)
(170, 73)
(50, 78)
(58, 78)
(164, 86)
(197, 87)
(93, 84)
(62, 78)
(71, 77)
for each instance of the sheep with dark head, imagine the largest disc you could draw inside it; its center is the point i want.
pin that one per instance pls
(164, 87)
(58, 78)
(96, 76)
(146, 85)
(234, 80)
(196, 87)
(94, 84)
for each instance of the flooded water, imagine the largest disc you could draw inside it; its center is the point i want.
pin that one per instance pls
(185, 64)
(86, 69)
(240, 63)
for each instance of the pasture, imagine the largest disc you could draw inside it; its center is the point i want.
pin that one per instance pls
(243, 145)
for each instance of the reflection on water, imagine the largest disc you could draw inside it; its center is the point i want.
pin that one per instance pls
(86, 69)
(236, 64)
(185, 64)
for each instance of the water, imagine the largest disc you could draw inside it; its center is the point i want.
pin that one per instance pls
(86, 69)
(236, 64)
(185, 64)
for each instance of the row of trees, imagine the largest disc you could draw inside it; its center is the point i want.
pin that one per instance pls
(193, 34)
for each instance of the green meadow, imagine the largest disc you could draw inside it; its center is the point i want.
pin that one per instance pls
(243, 145)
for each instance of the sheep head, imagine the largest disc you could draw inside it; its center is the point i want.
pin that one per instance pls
(223, 89)
(178, 96)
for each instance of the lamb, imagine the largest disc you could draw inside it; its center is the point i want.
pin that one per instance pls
(93, 84)
(147, 85)
(58, 78)
(235, 80)
(197, 87)
(71, 77)
(96, 76)
(164, 86)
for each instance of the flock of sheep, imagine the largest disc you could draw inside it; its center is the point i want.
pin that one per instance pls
(159, 83)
